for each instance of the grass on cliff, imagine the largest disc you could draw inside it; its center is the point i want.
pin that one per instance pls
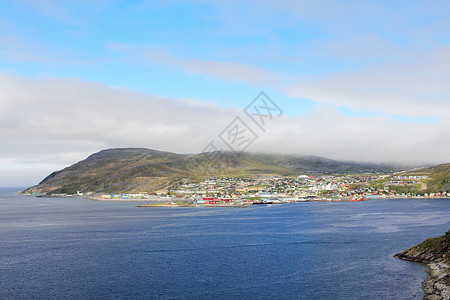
(439, 245)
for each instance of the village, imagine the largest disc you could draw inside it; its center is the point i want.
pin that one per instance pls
(242, 191)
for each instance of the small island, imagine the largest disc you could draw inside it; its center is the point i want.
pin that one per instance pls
(436, 253)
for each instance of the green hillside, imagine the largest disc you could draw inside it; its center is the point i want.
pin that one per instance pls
(137, 169)
(438, 178)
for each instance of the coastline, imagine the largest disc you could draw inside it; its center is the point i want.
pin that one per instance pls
(436, 286)
(435, 253)
(140, 198)
(193, 205)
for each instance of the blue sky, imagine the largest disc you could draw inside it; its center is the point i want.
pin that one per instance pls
(358, 66)
(112, 42)
(109, 45)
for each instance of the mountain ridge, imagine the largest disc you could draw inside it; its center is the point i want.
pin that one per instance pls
(140, 169)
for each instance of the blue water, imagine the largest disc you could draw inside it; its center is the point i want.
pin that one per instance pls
(82, 249)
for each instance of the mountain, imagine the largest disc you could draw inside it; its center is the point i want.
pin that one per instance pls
(138, 169)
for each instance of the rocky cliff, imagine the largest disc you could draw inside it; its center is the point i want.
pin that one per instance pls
(436, 253)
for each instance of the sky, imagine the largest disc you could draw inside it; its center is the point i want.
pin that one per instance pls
(363, 81)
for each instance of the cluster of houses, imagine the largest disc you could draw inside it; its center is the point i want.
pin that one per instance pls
(406, 179)
(228, 190)
(276, 189)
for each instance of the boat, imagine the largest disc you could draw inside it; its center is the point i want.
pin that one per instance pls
(359, 199)
(262, 202)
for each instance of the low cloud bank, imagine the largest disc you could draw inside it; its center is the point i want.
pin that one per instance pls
(50, 123)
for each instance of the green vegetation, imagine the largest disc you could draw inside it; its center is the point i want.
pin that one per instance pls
(431, 249)
(438, 181)
(137, 170)
(403, 189)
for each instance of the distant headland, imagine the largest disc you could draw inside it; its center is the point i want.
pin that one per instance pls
(145, 174)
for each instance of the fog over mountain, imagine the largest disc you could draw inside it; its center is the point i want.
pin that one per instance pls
(61, 121)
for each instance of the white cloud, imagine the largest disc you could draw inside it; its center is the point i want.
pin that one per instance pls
(43, 120)
(50, 8)
(54, 122)
(418, 88)
(232, 71)
(326, 132)
(65, 12)
(364, 56)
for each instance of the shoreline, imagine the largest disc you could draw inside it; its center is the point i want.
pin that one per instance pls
(194, 205)
(433, 252)
(435, 285)
(165, 199)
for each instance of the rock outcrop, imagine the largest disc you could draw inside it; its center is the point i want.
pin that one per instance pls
(436, 253)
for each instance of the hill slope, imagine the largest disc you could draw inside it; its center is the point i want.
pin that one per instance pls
(138, 169)
(439, 177)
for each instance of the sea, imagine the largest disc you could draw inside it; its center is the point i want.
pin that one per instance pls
(61, 248)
